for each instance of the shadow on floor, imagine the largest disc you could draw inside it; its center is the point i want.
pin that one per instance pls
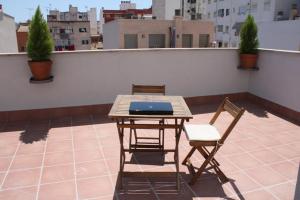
(30, 136)
(165, 188)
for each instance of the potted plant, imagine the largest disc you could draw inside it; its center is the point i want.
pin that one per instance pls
(39, 47)
(249, 44)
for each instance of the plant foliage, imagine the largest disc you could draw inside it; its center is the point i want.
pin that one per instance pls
(249, 40)
(40, 43)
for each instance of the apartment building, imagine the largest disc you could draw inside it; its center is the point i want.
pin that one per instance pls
(229, 15)
(176, 33)
(127, 11)
(71, 30)
(126, 5)
(8, 38)
(192, 9)
(166, 9)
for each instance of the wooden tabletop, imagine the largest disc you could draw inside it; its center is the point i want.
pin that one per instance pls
(120, 108)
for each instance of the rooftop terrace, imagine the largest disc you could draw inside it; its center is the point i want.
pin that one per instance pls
(78, 157)
(56, 141)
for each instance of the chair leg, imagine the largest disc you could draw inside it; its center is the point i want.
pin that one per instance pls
(214, 163)
(189, 155)
(203, 166)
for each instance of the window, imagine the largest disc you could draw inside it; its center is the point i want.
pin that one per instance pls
(254, 7)
(187, 41)
(221, 12)
(203, 40)
(243, 10)
(225, 44)
(208, 15)
(82, 30)
(157, 40)
(130, 41)
(227, 12)
(209, 1)
(267, 5)
(220, 28)
(84, 42)
(226, 29)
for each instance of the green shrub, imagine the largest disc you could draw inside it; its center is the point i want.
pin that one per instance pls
(249, 40)
(40, 43)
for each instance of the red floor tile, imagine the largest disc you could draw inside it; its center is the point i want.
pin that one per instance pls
(58, 158)
(27, 161)
(286, 169)
(94, 187)
(19, 194)
(22, 178)
(63, 190)
(285, 191)
(91, 169)
(261, 194)
(58, 173)
(266, 176)
(4, 163)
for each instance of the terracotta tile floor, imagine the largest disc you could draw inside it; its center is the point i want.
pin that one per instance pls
(78, 158)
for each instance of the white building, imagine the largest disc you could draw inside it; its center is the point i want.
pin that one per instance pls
(280, 35)
(92, 17)
(8, 37)
(165, 9)
(125, 5)
(229, 15)
(192, 9)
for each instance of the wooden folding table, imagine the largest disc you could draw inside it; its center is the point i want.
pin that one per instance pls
(120, 113)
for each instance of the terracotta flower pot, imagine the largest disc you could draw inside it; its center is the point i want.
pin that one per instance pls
(41, 70)
(248, 60)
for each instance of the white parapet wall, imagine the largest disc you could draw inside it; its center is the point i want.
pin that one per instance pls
(278, 78)
(97, 77)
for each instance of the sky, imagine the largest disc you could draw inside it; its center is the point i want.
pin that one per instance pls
(22, 10)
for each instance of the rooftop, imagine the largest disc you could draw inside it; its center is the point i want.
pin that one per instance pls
(56, 141)
(78, 157)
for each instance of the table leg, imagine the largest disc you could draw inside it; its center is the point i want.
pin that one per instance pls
(176, 153)
(122, 152)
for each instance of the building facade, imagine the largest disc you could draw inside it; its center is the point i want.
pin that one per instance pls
(126, 5)
(229, 15)
(92, 18)
(176, 33)
(283, 35)
(166, 9)
(8, 38)
(71, 30)
(127, 11)
(22, 36)
(192, 9)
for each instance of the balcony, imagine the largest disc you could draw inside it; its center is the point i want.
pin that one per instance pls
(56, 141)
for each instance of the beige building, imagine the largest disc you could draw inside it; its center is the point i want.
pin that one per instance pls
(177, 33)
(70, 35)
(72, 30)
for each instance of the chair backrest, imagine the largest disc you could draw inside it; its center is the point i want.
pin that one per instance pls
(149, 89)
(233, 110)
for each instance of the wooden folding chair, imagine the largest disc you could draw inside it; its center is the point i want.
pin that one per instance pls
(202, 136)
(139, 141)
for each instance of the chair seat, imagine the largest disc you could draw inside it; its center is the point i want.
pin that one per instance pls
(203, 132)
